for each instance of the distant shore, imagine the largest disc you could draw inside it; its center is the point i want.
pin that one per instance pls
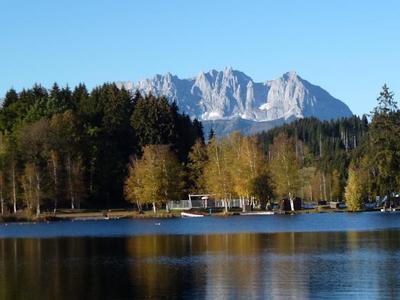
(78, 215)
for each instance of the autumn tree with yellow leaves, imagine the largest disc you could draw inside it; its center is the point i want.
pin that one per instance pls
(154, 178)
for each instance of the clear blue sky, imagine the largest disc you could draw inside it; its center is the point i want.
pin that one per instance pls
(350, 48)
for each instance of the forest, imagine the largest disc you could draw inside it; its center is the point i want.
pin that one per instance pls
(70, 148)
(108, 147)
(350, 159)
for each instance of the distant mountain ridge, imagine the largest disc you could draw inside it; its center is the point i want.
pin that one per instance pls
(231, 95)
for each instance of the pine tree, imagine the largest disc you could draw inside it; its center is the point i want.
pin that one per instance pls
(10, 98)
(383, 151)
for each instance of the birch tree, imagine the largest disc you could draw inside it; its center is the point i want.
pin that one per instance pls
(32, 139)
(247, 162)
(154, 178)
(217, 170)
(3, 152)
(354, 190)
(284, 166)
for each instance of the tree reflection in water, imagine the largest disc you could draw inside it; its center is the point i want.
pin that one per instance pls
(246, 265)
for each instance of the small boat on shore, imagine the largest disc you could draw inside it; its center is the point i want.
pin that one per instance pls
(389, 209)
(191, 215)
(257, 213)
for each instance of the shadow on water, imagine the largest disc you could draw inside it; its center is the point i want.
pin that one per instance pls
(69, 268)
(245, 265)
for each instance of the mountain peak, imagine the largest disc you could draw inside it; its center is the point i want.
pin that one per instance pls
(228, 69)
(290, 75)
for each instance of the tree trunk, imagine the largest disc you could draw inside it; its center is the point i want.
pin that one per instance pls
(38, 191)
(70, 187)
(154, 208)
(14, 188)
(139, 207)
(37, 209)
(1, 197)
(91, 176)
(55, 178)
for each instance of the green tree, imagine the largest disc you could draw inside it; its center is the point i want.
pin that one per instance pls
(10, 98)
(153, 121)
(196, 165)
(384, 143)
(64, 146)
(262, 187)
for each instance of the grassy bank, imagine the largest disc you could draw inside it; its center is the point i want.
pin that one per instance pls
(62, 215)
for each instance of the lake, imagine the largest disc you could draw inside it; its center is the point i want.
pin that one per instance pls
(320, 256)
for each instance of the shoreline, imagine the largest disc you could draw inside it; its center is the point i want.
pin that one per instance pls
(85, 215)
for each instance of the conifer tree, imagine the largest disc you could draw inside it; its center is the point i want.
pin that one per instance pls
(10, 98)
(383, 153)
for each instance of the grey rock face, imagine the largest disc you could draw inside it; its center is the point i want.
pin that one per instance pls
(231, 94)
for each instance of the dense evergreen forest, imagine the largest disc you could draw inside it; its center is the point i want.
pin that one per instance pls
(75, 148)
(67, 148)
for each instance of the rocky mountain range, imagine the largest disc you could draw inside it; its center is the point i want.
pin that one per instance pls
(230, 100)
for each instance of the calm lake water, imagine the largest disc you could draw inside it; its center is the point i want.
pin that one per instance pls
(319, 256)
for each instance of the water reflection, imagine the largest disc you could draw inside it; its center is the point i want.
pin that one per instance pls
(63, 269)
(282, 265)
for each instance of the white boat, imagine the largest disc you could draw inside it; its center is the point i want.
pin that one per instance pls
(390, 209)
(191, 215)
(258, 213)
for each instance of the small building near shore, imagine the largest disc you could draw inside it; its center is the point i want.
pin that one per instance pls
(203, 201)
